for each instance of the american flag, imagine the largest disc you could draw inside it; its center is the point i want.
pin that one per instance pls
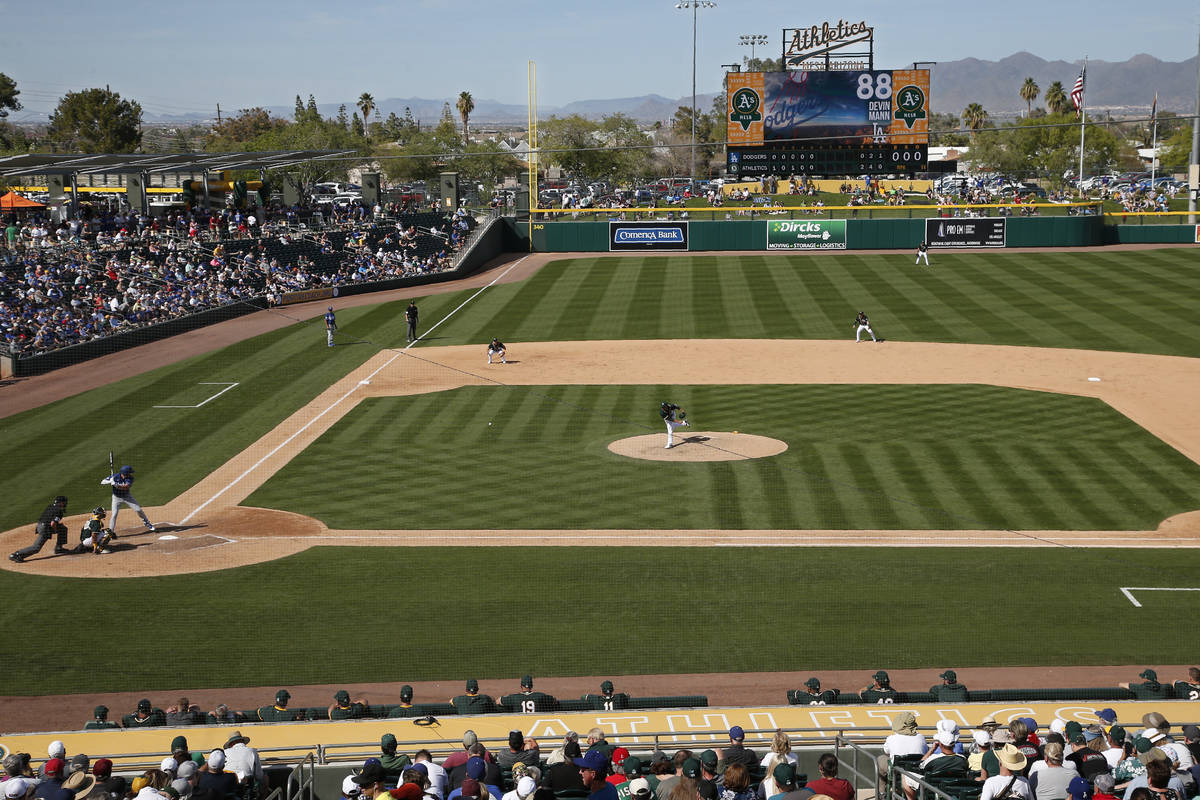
(1077, 92)
(1154, 111)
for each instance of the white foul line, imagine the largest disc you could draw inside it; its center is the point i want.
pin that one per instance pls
(227, 386)
(332, 405)
(1129, 590)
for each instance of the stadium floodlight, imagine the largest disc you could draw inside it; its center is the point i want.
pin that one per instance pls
(695, 6)
(753, 40)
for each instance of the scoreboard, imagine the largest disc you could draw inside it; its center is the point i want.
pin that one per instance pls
(831, 159)
(827, 122)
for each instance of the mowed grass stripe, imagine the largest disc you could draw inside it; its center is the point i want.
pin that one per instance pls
(904, 314)
(765, 290)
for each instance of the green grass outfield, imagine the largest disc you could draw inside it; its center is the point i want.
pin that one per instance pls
(1140, 301)
(404, 614)
(859, 457)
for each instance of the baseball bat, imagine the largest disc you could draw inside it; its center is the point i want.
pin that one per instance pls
(111, 469)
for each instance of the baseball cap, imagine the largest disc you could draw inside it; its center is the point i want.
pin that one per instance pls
(168, 764)
(1107, 715)
(947, 725)
(186, 770)
(527, 681)
(79, 763)
(639, 787)
(387, 740)
(371, 773)
(1191, 732)
(282, 695)
(54, 766)
(15, 787)
(784, 774)
(56, 750)
(606, 686)
(406, 692)
(592, 759)
(143, 705)
(476, 767)
(736, 732)
(1149, 675)
(881, 676)
(406, 791)
(632, 766)
(179, 743)
(1152, 735)
(100, 711)
(691, 768)
(470, 788)
(813, 683)
(102, 768)
(708, 759)
(944, 737)
(619, 754)
(472, 685)
(1058, 725)
(342, 696)
(1079, 788)
(1117, 733)
(419, 767)
(216, 759)
(349, 787)
(526, 786)
(982, 738)
(949, 675)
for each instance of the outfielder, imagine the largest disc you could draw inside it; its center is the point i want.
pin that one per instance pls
(675, 417)
(49, 524)
(862, 324)
(121, 483)
(922, 253)
(496, 348)
(95, 536)
(330, 327)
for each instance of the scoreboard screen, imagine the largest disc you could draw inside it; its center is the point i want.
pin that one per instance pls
(835, 122)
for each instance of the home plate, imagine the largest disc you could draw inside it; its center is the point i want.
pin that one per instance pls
(1094, 380)
(168, 537)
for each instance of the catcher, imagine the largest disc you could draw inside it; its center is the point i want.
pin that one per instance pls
(95, 536)
(675, 417)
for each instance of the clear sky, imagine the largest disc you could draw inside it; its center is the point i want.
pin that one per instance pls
(185, 57)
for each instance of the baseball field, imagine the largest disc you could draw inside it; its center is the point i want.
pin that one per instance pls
(976, 489)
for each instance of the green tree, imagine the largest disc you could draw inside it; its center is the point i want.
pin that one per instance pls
(974, 117)
(298, 114)
(96, 121)
(465, 105)
(343, 118)
(486, 163)
(311, 112)
(1175, 152)
(246, 126)
(366, 104)
(1056, 98)
(944, 131)
(8, 96)
(356, 127)
(1029, 92)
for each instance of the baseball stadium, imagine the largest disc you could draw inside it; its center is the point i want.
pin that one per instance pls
(716, 484)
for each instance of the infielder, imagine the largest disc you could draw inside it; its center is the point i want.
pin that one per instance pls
(862, 324)
(95, 536)
(922, 253)
(330, 327)
(121, 483)
(49, 524)
(496, 348)
(675, 417)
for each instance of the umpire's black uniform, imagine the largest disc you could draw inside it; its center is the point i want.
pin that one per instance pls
(49, 524)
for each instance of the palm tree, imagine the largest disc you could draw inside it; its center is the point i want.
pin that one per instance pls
(974, 116)
(366, 104)
(465, 105)
(1029, 93)
(1056, 98)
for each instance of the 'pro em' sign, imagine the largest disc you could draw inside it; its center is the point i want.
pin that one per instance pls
(806, 234)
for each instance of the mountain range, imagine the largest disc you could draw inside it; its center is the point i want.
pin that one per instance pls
(1124, 87)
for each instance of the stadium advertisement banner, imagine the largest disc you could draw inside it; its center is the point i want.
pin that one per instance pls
(307, 295)
(647, 236)
(843, 107)
(1198, 234)
(806, 234)
(966, 232)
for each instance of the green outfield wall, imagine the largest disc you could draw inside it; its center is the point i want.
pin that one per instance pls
(859, 234)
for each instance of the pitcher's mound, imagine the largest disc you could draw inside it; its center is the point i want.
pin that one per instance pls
(699, 446)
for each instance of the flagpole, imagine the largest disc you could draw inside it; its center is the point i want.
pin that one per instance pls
(1154, 143)
(1082, 124)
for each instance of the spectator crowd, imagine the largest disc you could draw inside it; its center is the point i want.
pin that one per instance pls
(76, 280)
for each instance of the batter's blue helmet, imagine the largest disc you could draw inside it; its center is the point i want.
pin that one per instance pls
(126, 470)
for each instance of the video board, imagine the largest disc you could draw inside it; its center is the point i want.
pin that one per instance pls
(828, 122)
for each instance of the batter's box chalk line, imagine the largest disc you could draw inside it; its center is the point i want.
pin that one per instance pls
(1129, 590)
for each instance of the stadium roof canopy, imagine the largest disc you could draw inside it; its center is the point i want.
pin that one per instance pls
(84, 163)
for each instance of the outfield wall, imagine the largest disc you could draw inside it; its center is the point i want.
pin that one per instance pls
(860, 234)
